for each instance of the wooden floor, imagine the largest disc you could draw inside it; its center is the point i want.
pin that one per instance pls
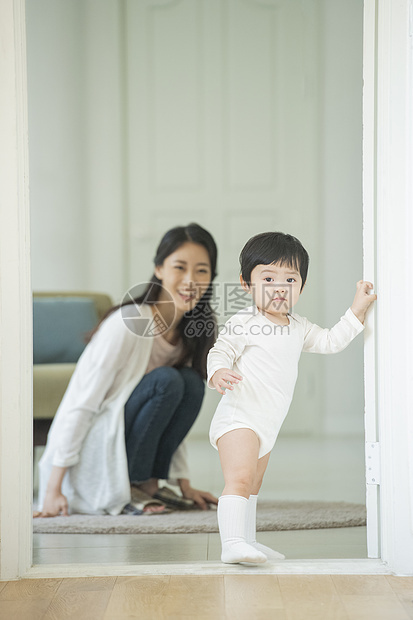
(298, 470)
(235, 597)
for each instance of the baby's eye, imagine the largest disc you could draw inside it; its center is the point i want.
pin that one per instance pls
(291, 280)
(268, 279)
(178, 267)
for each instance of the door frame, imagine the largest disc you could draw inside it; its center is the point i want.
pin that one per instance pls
(388, 160)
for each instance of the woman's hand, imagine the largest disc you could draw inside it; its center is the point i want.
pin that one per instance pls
(201, 498)
(223, 379)
(362, 299)
(54, 504)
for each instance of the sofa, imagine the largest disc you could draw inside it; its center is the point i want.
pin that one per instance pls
(60, 322)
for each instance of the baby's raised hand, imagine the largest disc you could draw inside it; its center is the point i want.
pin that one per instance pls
(362, 299)
(223, 379)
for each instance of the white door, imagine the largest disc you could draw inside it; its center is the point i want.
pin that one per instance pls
(224, 129)
(223, 117)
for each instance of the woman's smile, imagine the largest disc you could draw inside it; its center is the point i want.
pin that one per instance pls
(187, 296)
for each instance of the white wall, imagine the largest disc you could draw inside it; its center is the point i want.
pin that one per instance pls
(104, 143)
(80, 178)
(76, 145)
(341, 137)
(56, 149)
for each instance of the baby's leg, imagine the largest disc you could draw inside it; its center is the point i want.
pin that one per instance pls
(252, 513)
(238, 451)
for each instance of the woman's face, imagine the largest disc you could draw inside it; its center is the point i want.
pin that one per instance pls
(185, 275)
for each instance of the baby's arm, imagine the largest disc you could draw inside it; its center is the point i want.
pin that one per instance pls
(228, 347)
(334, 340)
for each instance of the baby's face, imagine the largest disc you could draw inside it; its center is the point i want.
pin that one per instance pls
(275, 289)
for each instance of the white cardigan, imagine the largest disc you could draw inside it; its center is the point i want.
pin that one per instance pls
(87, 433)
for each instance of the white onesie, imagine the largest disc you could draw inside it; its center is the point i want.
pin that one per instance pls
(266, 355)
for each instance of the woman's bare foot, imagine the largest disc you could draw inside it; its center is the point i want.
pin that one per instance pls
(150, 487)
(154, 509)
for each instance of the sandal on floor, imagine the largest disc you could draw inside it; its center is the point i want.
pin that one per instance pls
(131, 509)
(172, 499)
(140, 500)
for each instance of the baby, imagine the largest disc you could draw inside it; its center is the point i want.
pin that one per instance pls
(254, 363)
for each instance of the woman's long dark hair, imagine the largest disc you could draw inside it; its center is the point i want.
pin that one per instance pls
(198, 326)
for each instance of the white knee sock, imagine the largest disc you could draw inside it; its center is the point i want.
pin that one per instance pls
(231, 515)
(250, 531)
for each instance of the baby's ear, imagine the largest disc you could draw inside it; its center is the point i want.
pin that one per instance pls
(244, 285)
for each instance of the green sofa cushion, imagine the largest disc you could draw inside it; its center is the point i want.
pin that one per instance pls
(59, 328)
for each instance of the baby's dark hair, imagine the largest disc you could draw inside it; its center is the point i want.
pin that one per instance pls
(270, 248)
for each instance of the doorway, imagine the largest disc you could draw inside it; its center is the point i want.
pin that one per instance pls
(388, 42)
(264, 101)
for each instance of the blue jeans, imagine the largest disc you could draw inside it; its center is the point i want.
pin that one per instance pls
(158, 415)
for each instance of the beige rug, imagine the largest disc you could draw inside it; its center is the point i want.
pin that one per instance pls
(271, 516)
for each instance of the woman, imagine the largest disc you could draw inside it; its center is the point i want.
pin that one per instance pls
(135, 393)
